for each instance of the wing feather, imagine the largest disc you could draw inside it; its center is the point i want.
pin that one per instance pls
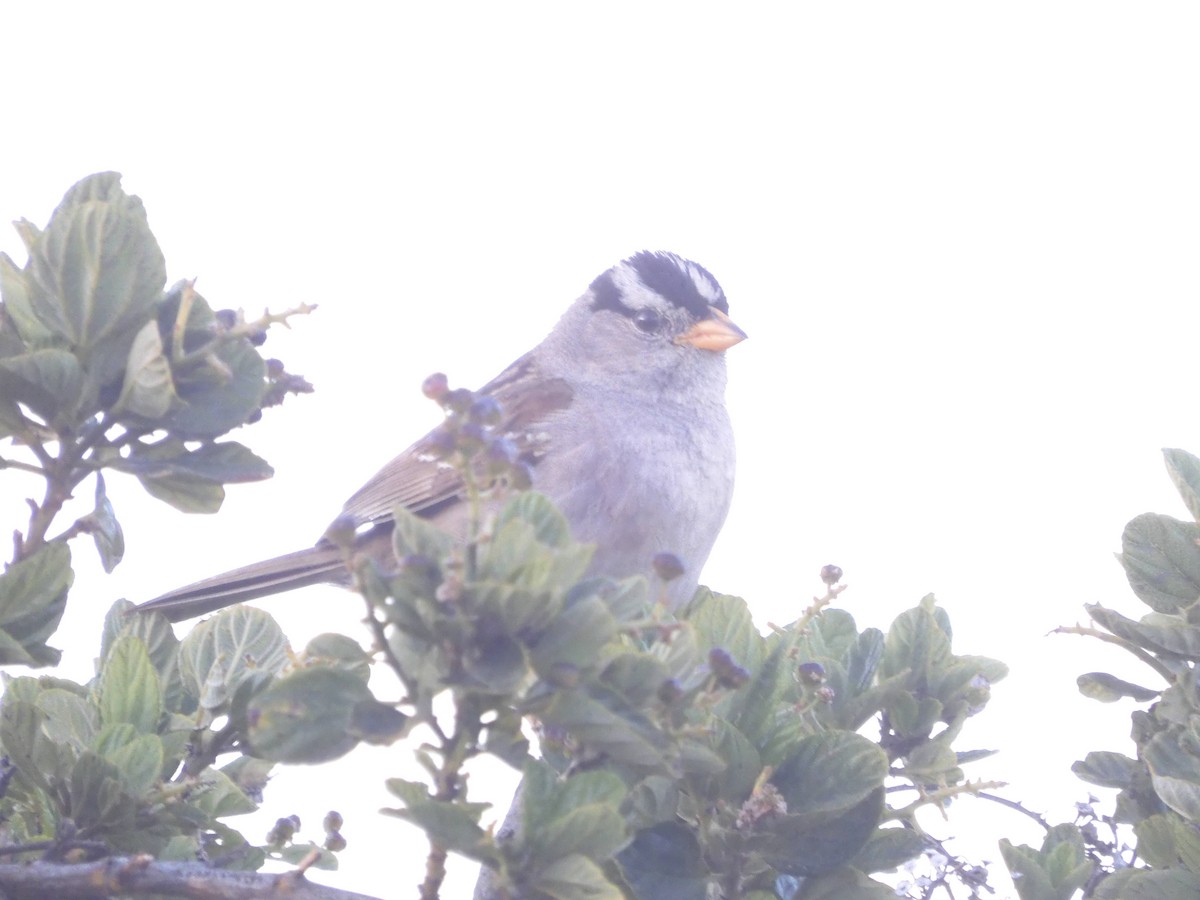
(422, 484)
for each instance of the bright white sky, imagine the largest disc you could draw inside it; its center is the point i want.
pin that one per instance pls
(962, 238)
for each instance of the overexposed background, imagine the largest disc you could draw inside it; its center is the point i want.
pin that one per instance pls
(962, 237)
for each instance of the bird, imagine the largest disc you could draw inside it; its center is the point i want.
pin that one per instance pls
(620, 415)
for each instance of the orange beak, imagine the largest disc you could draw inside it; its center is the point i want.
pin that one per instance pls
(715, 333)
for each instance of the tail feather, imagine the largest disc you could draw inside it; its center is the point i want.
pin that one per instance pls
(314, 565)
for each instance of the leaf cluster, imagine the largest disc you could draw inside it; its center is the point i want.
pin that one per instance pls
(103, 369)
(1158, 790)
(127, 763)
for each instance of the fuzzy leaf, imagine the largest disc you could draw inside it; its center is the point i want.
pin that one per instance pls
(307, 716)
(50, 382)
(240, 642)
(1162, 561)
(888, 849)
(1184, 469)
(829, 772)
(14, 289)
(812, 843)
(33, 596)
(724, 621)
(96, 268)
(105, 529)
(1175, 774)
(129, 689)
(1108, 688)
(665, 861)
(575, 637)
(149, 390)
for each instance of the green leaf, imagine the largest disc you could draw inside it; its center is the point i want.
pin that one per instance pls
(190, 480)
(604, 724)
(754, 713)
(14, 288)
(149, 390)
(1165, 840)
(140, 764)
(33, 597)
(530, 547)
(105, 529)
(563, 817)
(32, 753)
(916, 642)
(495, 665)
(636, 676)
(96, 269)
(225, 462)
(888, 849)
(815, 842)
(416, 536)
(12, 420)
(1055, 872)
(156, 635)
(186, 493)
(574, 878)
(724, 621)
(505, 740)
(70, 720)
(575, 637)
(307, 716)
(549, 524)
(378, 723)
(548, 797)
(1107, 769)
(862, 660)
(1140, 884)
(129, 689)
(453, 825)
(240, 642)
(665, 861)
(829, 772)
(1184, 469)
(741, 768)
(911, 716)
(95, 798)
(1162, 561)
(341, 651)
(1175, 774)
(931, 762)
(845, 884)
(50, 382)
(1108, 688)
(627, 599)
(248, 775)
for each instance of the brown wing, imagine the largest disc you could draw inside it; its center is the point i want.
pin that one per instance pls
(423, 485)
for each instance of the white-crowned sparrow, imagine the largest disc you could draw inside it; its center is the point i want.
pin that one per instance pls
(620, 411)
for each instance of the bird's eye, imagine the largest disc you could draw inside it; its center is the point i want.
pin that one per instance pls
(647, 320)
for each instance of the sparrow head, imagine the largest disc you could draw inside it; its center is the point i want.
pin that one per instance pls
(652, 316)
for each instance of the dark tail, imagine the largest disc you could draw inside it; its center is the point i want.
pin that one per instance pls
(315, 565)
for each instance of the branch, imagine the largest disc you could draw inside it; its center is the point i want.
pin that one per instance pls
(142, 876)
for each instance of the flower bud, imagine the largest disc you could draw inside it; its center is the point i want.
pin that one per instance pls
(435, 386)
